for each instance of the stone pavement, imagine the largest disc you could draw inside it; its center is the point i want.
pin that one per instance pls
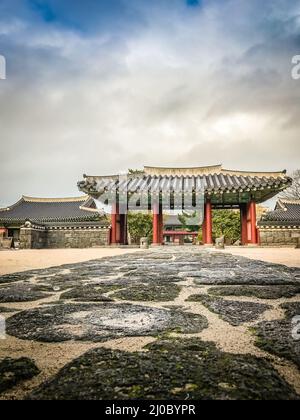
(169, 323)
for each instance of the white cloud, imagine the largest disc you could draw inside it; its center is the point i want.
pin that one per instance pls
(188, 87)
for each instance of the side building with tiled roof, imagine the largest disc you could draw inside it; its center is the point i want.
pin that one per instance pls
(53, 223)
(282, 225)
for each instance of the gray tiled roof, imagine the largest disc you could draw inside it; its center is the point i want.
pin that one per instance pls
(172, 220)
(210, 180)
(287, 212)
(42, 210)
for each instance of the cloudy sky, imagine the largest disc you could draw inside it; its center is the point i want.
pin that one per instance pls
(99, 86)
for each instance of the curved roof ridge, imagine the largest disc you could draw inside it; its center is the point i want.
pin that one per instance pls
(259, 174)
(8, 208)
(192, 170)
(116, 176)
(184, 167)
(91, 210)
(82, 199)
(213, 169)
(289, 201)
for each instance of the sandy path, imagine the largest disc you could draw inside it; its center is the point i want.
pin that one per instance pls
(286, 256)
(15, 261)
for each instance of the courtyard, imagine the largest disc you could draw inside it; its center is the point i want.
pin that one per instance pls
(166, 323)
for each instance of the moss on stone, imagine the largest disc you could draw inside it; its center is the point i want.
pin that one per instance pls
(279, 337)
(172, 370)
(234, 312)
(149, 292)
(14, 371)
(261, 292)
(100, 322)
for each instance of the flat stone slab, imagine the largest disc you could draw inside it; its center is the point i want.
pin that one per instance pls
(260, 292)
(20, 293)
(89, 293)
(147, 293)
(282, 337)
(240, 275)
(150, 276)
(14, 371)
(171, 370)
(99, 322)
(234, 312)
(8, 310)
(12, 278)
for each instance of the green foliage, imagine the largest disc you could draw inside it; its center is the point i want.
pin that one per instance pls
(226, 223)
(185, 220)
(200, 236)
(135, 171)
(139, 226)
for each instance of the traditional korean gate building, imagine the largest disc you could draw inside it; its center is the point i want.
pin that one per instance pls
(212, 186)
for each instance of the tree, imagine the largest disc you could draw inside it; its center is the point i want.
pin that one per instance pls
(293, 192)
(139, 226)
(227, 223)
(186, 221)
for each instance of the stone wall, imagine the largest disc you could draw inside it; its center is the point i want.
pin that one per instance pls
(77, 238)
(279, 237)
(34, 238)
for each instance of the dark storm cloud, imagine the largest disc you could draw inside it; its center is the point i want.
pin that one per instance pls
(101, 86)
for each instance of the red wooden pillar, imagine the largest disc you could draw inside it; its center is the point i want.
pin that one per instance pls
(123, 229)
(244, 221)
(155, 224)
(161, 226)
(204, 229)
(252, 211)
(114, 224)
(3, 232)
(208, 222)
